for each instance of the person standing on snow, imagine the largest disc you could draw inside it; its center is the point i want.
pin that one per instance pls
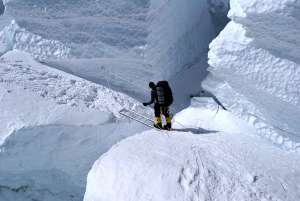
(159, 108)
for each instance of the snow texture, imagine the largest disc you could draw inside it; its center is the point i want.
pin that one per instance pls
(53, 127)
(185, 30)
(87, 41)
(254, 65)
(196, 164)
(92, 29)
(19, 68)
(20, 39)
(55, 124)
(167, 40)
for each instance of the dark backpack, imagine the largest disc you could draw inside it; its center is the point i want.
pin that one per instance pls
(164, 93)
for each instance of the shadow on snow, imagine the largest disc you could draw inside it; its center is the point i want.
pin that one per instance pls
(195, 130)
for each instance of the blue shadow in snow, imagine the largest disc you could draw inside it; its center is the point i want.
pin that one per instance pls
(197, 131)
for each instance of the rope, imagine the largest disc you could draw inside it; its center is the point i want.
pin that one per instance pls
(128, 81)
(123, 78)
(216, 112)
(108, 82)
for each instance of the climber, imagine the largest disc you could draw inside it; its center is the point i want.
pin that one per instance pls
(161, 96)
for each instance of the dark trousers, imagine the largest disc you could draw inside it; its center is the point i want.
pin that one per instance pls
(158, 110)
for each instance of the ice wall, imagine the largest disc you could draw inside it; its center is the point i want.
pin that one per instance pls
(85, 38)
(180, 34)
(177, 44)
(14, 37)
(91, 29)
(254, 65)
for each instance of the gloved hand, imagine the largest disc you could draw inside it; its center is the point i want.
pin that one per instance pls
(145, 104)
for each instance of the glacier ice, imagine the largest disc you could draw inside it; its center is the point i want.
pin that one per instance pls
(89, 40)
(167, 40)
(254, 66)
(20, 39)
(91, 29)
(254, 71)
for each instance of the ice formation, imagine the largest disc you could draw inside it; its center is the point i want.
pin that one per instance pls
(97, 29)
(20, 39)
(166, 40)
(254, 74)
(254, 65)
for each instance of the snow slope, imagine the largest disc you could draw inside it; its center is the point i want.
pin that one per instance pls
(255, 68)
(53, 127)
(227, 161)
(19, 68)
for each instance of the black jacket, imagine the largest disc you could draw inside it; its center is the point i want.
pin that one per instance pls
(153, 97)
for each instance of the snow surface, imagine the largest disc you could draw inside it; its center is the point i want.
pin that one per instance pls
(56, 123)
(227, 161)
(163, 39)
(92, 29)
(254, 65)
(20, 39)
(53, 127)
(77, 35)
(98, 42)
(185, 30)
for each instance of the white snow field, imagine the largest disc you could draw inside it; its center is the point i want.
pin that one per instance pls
(53, 127)
(67, 68)
(227, 161)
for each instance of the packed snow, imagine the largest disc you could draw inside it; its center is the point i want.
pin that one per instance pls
(68, 67)
(226, 161)
(53, 127)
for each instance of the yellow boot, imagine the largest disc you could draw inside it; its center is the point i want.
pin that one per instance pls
(158, 123)
(169, 123)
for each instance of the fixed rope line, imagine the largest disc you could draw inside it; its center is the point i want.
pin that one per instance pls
(216, 112)
(108, 82)
(128, 81)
